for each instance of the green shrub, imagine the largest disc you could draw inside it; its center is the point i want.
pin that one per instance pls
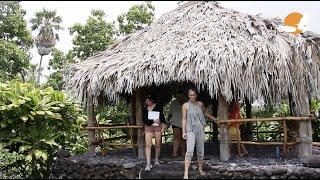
(35, 122)
(315, 109)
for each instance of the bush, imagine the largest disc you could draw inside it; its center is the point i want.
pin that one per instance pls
(7, 161)
(34, 123)
(315, 109)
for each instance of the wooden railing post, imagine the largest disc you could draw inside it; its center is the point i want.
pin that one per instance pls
(305, 129)
(223, 129)
(285, 137)
(305, 137)
(238, 140)
(91, 123)
(141, 141)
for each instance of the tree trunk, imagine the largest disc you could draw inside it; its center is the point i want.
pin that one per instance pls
(39, 70)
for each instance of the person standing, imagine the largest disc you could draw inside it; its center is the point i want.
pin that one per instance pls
(233, 128)
(175, 114)
(152, 128)
(193, 123)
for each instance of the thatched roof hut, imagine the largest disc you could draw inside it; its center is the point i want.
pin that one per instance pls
(220, 50)
(208, 45)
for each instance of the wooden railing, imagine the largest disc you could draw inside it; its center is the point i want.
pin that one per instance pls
(284, 120)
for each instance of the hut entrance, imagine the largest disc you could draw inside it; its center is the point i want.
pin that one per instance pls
(218, 108)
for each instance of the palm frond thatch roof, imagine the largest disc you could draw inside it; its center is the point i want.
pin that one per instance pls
(210, 46)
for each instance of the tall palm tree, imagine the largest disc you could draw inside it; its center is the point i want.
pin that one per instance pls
(47, 23)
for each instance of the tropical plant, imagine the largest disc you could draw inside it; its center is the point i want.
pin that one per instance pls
(35, 123)
(47, 23)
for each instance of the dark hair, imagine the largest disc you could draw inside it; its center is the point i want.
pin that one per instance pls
(149, 96)
(193, 89)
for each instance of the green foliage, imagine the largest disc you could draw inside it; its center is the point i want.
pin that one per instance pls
(13, 27)
(13, 60)
(136, 18)
(274, 128)
(58, 61)
(7, 161)
(92, 37)
(15, 41)
(315, 109)
(35, 123)
(118, 113)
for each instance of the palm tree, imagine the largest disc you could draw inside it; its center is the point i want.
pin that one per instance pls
(47, 23)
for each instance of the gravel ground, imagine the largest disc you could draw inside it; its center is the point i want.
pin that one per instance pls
(123, 163)
(264, 155)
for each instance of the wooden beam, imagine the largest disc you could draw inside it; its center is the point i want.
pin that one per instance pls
(141, 140)
(114, 127)
(91, 123)
(316, 144)
(223, 129)
(266, 119)
(263, 143)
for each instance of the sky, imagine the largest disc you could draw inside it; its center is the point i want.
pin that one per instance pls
(78, 12)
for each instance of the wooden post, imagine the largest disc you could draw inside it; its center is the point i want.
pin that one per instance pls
(214, 126)
(133, 117)
(304, 130)
(285, 137)
(223, 129)
(249, 126)
(238, 140)
(141, 141)
(91, 123)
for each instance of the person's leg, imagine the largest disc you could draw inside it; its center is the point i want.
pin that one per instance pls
(243, 150)
(176, 137)
(189, 153)
(182, 142)
(148, 139)
(158, 146)
(199, 136)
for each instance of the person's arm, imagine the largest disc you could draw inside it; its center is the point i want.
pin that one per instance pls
(206, 113)
(184, 120)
